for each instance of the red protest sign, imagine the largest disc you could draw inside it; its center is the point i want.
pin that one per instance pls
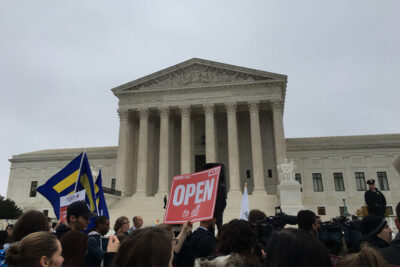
(192, 197)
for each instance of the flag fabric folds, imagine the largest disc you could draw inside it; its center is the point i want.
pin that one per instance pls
(101, 201)
(245, 209)
(85, 181)
(61, 184)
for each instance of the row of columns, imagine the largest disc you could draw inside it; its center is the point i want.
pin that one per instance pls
(125, 146)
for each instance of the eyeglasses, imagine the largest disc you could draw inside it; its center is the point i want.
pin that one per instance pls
(125, 223)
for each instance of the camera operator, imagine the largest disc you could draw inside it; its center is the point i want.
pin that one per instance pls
(307, 221)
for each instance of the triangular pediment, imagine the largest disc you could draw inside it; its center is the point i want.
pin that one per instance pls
(198, 72)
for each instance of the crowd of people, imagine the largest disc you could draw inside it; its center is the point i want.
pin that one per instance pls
(33, 242)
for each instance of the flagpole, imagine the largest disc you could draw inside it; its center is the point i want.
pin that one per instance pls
(80, 166)
(97, 206)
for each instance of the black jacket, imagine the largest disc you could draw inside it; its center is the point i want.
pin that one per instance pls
(392, 253)
(97, 248)
(376, 202)
(202, 243)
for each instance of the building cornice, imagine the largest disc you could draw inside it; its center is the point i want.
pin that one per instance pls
(343, 142)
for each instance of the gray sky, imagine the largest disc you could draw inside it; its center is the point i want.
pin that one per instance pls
(59, 60)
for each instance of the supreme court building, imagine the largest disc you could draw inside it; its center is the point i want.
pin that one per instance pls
(175, 120)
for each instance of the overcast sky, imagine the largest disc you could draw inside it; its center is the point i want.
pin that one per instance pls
(59, 60)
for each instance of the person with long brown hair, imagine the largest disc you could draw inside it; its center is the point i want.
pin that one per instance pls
(36, 249)
(367, 257)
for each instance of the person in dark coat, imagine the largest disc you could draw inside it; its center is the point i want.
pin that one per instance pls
(202, 243)
(375, 200)
(375, 232)
(97, 245)
(392, 253)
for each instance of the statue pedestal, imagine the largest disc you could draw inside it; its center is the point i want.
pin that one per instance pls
(290, 197)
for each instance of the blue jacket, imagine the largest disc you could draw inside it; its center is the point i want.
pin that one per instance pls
(97, 247)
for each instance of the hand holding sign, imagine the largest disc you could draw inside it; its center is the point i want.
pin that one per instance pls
(192, 197)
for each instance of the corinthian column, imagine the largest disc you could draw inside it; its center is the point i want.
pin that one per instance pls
(210, 133)
(256, 147)
(280, 145)
(142, 152)
(185, 140)
(233, 149)
(164, 150)
(125, 153)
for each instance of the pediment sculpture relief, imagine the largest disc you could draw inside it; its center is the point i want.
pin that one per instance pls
(198, 74)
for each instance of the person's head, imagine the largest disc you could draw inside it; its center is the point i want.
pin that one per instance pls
(3, 238)
(30, 222)
(256, 216)
(374, 225)
(367, 257)
(150, 246)
(36, 249)
(78, 215)
(397, 219)
(209, 224)
(9, 229)
(318, 223)
(121, 225)
(295, 247)
(371, 184)
(137, 221)
(237, 236)
(102, 224)
(306, 220)
(74, 246)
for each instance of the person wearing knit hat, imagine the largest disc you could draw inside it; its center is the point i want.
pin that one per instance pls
(375, 232)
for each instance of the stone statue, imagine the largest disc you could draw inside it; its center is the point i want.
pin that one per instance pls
(286, 171)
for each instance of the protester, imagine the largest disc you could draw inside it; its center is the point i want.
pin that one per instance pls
(74, 246)
(256, 216)
(9, 229)
(29, 222)
(375, 232)
(237, 240)
(392, 253)
(202, 243)
(3, 238)
(151, 246)
(36, 249)
(295, 247)
(121, 225)
(78, 218)
(97, 246)
(307, 221)
(137, 223)
(367, 257)
(181, 237)
(375, 200)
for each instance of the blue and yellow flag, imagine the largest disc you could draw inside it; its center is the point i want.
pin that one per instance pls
(101, 201)
(61, 184)
(86, 182)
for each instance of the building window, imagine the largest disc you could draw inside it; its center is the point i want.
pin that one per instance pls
(317, 181)
(338, 178)
(297, 176)
(383, 182)
(269, 173)
(248, 176)
(32, 193)
(360, 181)
(46, 212)
(113, 184)
(389, 210)
(321, 211)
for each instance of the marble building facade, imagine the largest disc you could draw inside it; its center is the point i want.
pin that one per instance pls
(175, 120)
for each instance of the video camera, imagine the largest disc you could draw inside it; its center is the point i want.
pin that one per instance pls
(266, 227)
(332, 233)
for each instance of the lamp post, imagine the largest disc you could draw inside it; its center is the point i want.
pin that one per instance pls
(345, 213)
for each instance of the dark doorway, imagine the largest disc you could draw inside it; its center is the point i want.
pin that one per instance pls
(199, 162)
